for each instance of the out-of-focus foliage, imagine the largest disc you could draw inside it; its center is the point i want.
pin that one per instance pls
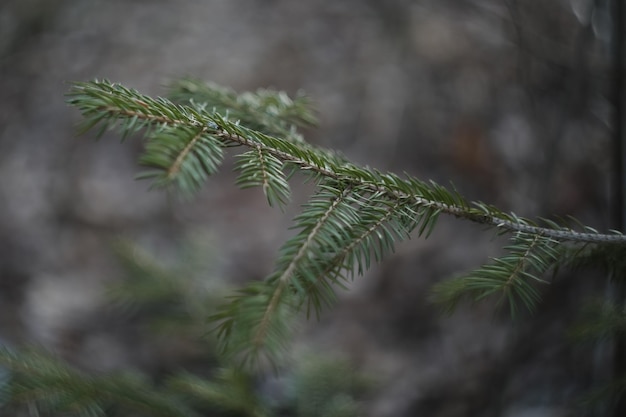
(33, 380)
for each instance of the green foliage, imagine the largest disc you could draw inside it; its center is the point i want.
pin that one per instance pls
(513, 275)
(55, 388)
(355, 216)
(611, 259)
(600, 320)
(261, 168)
(327, 388)
(175, 296)
(266, 111)
(36, 382)
(45, 383)
(183, 156)
(230, 390)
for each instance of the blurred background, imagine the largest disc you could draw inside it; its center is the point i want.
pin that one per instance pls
(509, 100)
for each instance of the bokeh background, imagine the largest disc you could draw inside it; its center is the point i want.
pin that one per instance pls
(509, 100)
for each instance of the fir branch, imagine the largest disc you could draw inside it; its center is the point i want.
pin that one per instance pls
(174, 168)
(370, 229)
(611, 259)
(340, 265)
(324, 222)
(50, 384)
(182, 156)
(257, 325)
(237, 324)
(328, 387)
(166, 296)
(270, 112)
(356, 212)
(600, 320)
(260, 168)
(230, 390)
(512, 275)
(107, 104)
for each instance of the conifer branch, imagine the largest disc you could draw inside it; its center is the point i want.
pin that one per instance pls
(231, 390)
(269, 112)
(174, 169)
(259, 168)
(103, 102)
(55, 387)
(512, 275)
(286, 276)
(355, 213)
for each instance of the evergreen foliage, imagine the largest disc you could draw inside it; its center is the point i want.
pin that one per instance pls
(36, 382)
(529, 257)
(328, 388)
(54, 388)
(355, 217)
(169, 299)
